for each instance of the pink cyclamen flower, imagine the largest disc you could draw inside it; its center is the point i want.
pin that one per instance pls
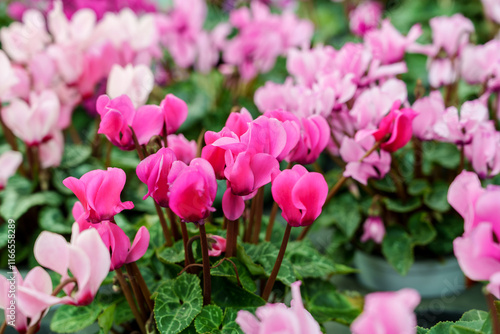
(86, 257)
(8, 76)
(115, 239)
(217, 245)
(474, 203)
(99, 192)
(300, 194)
(314, 136)
(153, 171)
(373, 229)
(50, 152)
(136, 82)
(215, 149)
(185, 150)
(478, 253)
(353, 149)
(193, 189)
(33, 122)
(492, 10)
(119, 118)
(32, 297)
(9, 163)
(174, 111)
(388, 313)
(365, 17)
(484, 152)
(450, 34)
(429, 110)
(278, 318)
(397, 124)
(238, 122)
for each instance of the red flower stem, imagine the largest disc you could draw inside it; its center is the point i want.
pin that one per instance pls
(207, 288)
(173, 224)
(258, 215)
(272, 218)
(185, 241)
(137, 293)
(251, 220)
(494, 313)
(142, 285)
(277, 264)
(9, 135)
(338, 185)
(130, 299)
(164, 227)
(33, 161)
(3, 327)
(232, 237)
(138, 147)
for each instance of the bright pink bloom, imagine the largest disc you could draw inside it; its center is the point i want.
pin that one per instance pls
(484, 153)
(193, 190)
(153, 171)
(429, 110)
(185, 150)
(480, 62)
(217, 245)
(215, 150)
(460, 129)
(388, 313)
(99, 192)
(233, 205)
(136, 82)
(494, 286)
(278, 318)
(474, 203)
(477, 252)
(314, 136)
(388, 45)
(32, 297)
(237, 122)
(373, 229)
(174, 111)
(119, 117)
(86, 257)
(300, 195)
(365, 17)
(397, 124)
(33, 123)
(375, 165)
(115, 239)
(9, 163)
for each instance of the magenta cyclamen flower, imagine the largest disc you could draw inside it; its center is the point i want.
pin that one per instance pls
(278, 318)
(86, 257)
(119, 118)
(153, 171)
(193, 189)
(184, 149)
(217, 245)
(373, 229)
(174, 111)
(99, 192)
(9, 163)
(429, 110)
(388, 313)
(300, 194)
(365, 17)
(397, 124)
(315, 133)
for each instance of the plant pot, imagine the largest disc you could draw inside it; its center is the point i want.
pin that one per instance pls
(431, 278)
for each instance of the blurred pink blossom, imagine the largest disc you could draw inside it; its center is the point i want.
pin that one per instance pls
(374, 229)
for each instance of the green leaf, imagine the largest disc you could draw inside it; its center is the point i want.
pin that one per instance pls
(397, 248)
(421, 330)
(209, 320)
(227, 294)
(474, 315)
(253, 268)
(443, 154)
(463, 330)
(51, 219)
(229, 325)
(418, 187)
(466, 327)
(106, 319)
(70, 319)
(123, 313)
(266, 254)
(398, 205)
(345, 212)
(226, 269)
(421, 229)
(15, 206)
(437, 198)
(75, 155)
(174, 254)
(177, 303)
(308, 262)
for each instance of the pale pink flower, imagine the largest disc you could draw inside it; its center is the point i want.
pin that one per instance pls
(374, 229)
(9, 163)
(429, 110)
(365, 17)
(135, 81)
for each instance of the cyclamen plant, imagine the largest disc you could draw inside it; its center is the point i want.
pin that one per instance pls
(252, 136)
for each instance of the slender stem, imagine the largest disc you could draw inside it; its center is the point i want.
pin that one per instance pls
(130, 299)
(461, 166)
(164, 137)
(75, 137)
(418, 154)
(199, 142)
(277, 265)
(232, 236)
(109, 147)
(8, 134)
(189, 247)
(272, 217)
(137, 293)
(138, 147)
(3, 327)
(173, 224)
(251, 220)
(494, 313)
(258, 215)
(207, 293)
(33, 161)
(142, 285)
(164, 227)
(185, 240)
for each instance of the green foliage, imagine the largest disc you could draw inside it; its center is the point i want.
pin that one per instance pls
(472, 322)
(225, 293)
(345, 211)
(265, 254)
(397, 248)
(69, 318)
